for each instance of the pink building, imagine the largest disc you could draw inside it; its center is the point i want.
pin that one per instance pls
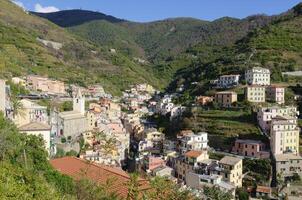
(250, 148)
(275, 93)
(151, 162)
(46, 85)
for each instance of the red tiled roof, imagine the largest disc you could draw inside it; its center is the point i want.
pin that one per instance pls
(78, 168)
(263, 189)
(193, 154)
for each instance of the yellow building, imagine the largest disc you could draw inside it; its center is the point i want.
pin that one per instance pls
(255, 94)
(284, 136)
(231, 170)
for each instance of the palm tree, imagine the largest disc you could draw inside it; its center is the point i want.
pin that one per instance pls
(17, 107)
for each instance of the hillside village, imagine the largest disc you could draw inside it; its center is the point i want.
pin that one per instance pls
(122, 133)
(95, 107)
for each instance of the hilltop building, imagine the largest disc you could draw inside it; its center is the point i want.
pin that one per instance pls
(226, 99)
(275, 94)
(258, 76)
(227, 81)
(255, 94)
(266, 114)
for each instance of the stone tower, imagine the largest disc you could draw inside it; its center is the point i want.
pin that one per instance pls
(79, 103)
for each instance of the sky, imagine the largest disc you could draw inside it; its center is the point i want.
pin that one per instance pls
(151, 10)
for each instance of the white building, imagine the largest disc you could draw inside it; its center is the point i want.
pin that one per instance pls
(266, 114)
(38, 129)
(227, 81)
(30, 112)
(166, 108)
(258, 76)
(198, 181)
(195, 142)
(177, 112)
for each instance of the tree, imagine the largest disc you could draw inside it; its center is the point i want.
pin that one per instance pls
(242, 194)
(133, 188)
(296, 177)
(17, 106)
(216, 193)
(162, 188)
(86, 189)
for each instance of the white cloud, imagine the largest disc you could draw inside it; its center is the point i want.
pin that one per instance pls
(47, 9)
(20, 4)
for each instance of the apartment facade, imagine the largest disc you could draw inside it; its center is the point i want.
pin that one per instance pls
(275, 94)
(255, 94)
(226, 99)
(250, 148)
(288, 164)
(191, 141)
(30, 112)
(266, 114)
(231, 170)
(258, 76)
(284, 136)
(227, 81)
(186, 163)
(199, 181)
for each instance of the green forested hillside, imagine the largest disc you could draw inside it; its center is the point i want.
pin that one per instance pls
(158, 40)
(78, 61)
(162, 43)
(180, 50)
(276, 46)
(25, 172)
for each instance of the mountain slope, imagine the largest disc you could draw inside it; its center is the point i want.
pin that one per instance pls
(158, 40)
(162, 43)
(276, 46)
(67, 19)
(69, 58)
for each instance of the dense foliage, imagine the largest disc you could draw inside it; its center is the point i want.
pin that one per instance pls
(260, 169)
(78, 61)
(25, 172)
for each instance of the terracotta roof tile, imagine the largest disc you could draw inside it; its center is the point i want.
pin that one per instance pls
(263, 189)
(193, 154)
(78, 168)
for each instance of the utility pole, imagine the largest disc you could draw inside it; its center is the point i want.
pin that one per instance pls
(25, 158)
